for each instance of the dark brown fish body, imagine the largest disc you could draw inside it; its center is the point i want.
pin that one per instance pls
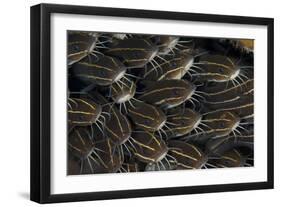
(218, 125)
(94, 160)
(230, 93)
(173, 68)
(82, 112)
(238, 101)
(103, 70)
(134, 52)
(182, 123)
(147, 147)
(231, 158)
(221, 145)
(221, 123)
(243, 107)
(146, 116)
(168, 93)
(80, 142)
(217, 68)
(188, 156)
(117, 127)
(73, 165)
(80, 44)
(99, 98)
(107, 159)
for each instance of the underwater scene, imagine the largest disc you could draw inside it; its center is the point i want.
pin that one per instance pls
(143, 102)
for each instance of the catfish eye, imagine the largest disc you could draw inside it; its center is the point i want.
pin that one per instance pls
(221, 70)
(226, 162)
(103, 73)
(176, 92)
(174, 64)
(157, 39)
(76, 48)
(222, 124)
(146, 122)
(136, 55)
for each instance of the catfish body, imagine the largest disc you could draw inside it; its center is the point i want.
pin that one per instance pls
(134, 52)
(168, 93)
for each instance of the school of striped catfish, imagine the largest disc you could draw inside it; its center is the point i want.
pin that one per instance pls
(140, 102)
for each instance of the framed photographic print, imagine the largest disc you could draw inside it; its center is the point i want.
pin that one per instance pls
(132, 103)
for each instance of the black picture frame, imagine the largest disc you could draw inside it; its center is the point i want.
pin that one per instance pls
(41, 96)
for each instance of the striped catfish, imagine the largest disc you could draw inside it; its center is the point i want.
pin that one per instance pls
(216, 125)
(134, 52)
(101, 70)
(231, 93)
(174, 67)
(80, 142)
(187, 155)
(117, 127)
(231, 158)
(217, 68)
(168, 93)
(107, 159)
(82, 112)
(182, 122)
(221, 145)
(80, 44)
(148, 147)
(146, 116)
